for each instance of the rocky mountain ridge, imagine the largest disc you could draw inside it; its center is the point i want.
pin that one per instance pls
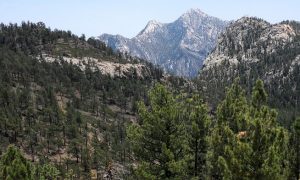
(248, 37)
(178, 47)
(112, 69)
(251, 49)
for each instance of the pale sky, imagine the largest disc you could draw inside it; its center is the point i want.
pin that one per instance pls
(128, 17)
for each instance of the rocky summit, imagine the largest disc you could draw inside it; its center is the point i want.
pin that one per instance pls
(250, 39)
(179, 47)
(251, 48)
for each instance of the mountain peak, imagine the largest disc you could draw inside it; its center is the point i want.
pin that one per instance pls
(246, 20)
(194, 12)
(178, 47)
(153, 22)
(193, 18)
(249, 39)
(150, 27)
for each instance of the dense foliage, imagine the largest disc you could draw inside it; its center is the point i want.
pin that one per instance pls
(60, 113)
(176, 139)
(13, 165)
(71, 123)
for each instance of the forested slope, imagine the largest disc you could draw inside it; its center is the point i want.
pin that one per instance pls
(66, 100)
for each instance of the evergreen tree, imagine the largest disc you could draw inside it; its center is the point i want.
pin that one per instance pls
(14, 166)
(259, 95)
(224, 143)
(198, 132)
(295, 143)
(268, 139)
(247, 142)
(47, 171)
(159, 141)
(233, 109)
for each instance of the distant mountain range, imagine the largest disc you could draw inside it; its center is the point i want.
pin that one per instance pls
(179, 47)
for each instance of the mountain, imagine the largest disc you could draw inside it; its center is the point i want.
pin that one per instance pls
(252, 48)
(178, 47)
(248, 38)
(71, 108)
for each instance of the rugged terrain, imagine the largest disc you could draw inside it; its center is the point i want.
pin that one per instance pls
(252, 48)
(75, 109)
(178, 47)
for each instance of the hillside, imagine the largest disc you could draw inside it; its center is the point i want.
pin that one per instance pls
(178, 47)
(67, 100)
(252, 48)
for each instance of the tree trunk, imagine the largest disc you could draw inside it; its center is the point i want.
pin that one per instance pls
(196, 158)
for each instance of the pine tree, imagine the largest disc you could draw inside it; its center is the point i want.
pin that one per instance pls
(198, 132)
(247, 142)
(224, 141)
(295, 143)
(259, 95)
(268, 139)
(159, 141)
(233, 109)
(47, 171)
(14, 166)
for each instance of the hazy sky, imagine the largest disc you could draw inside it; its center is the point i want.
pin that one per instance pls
(128, 17)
